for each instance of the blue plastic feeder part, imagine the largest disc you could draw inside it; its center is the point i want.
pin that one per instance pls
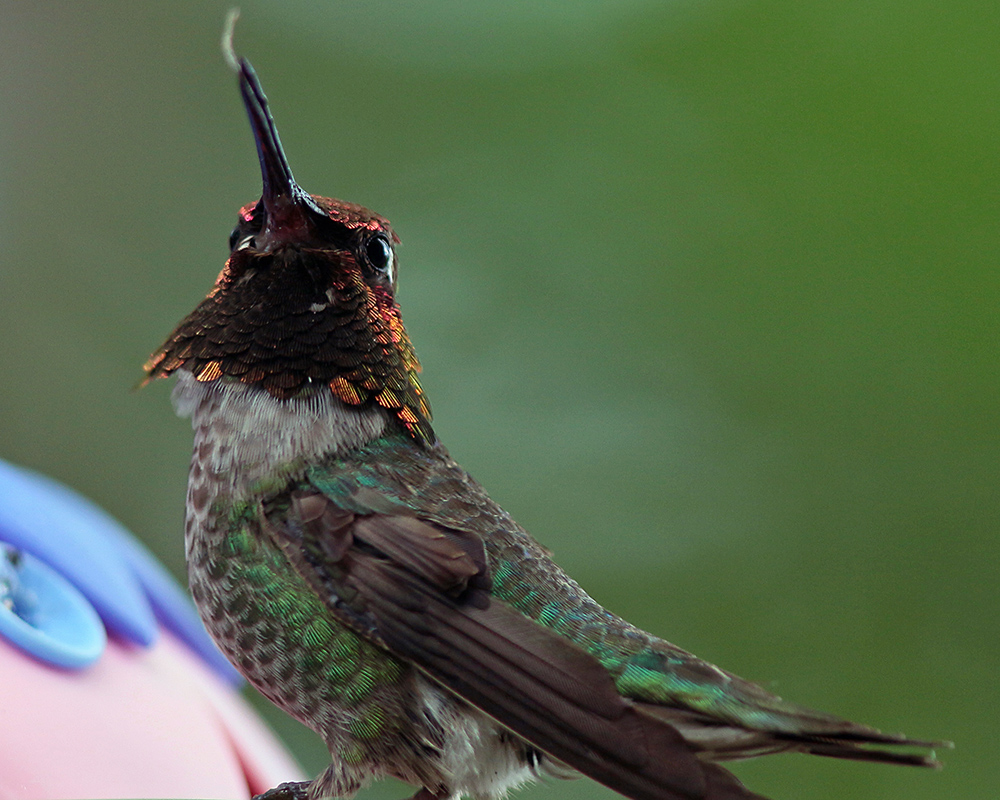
(44, 615)
(56, 537)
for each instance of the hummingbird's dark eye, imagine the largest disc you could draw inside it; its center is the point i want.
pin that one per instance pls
(378, 253)
(234, 237)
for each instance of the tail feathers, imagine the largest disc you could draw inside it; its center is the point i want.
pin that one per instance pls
(871, 747)
(822, 735)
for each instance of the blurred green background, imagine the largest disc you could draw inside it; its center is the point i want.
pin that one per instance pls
(706, 294)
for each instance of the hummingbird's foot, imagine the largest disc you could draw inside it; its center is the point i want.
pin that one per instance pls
(293, 790)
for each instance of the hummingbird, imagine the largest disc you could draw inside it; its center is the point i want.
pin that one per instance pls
(363, 582)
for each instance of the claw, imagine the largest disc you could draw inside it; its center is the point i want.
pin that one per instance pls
(293, 790)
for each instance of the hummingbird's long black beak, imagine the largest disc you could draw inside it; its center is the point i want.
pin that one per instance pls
(288, 208)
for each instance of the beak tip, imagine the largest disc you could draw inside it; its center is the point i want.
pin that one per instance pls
(279, 187)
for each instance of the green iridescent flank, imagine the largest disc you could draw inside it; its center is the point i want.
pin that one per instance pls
(283, 609)
(312, 660)
(237, 544)
(282, 606)
(259, 575)
(345, 647)
(352, 754)
(370, 726)
(317, 633)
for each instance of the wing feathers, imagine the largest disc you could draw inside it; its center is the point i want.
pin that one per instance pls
(421, 590)
(417, 589)
(540, 686)
(446, 560)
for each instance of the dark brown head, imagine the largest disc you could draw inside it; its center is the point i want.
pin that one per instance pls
(306, 300)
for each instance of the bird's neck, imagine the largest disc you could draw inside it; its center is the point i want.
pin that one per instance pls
(243, 436)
